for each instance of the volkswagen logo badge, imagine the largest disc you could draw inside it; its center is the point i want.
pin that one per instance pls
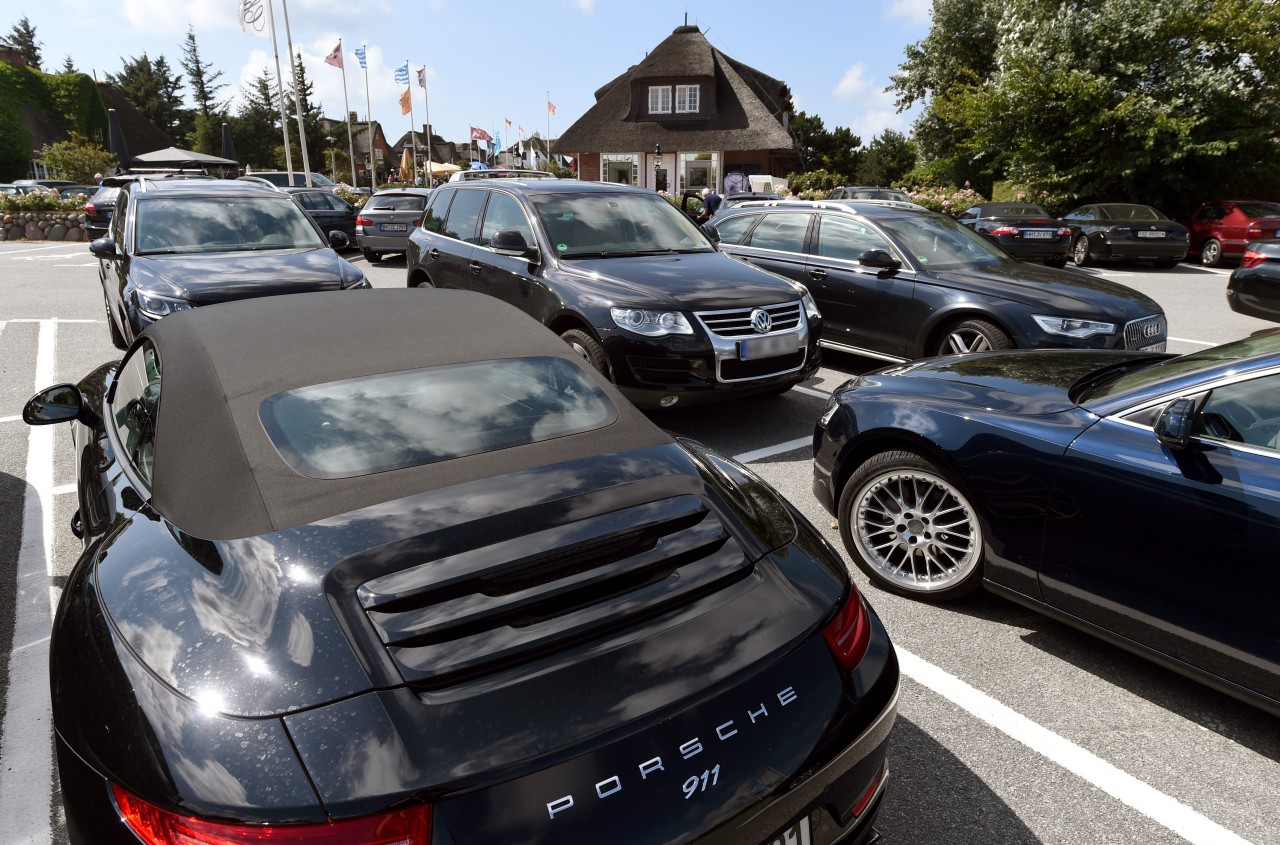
(761, 321)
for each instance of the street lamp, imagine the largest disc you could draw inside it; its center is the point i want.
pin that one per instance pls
(657, 164)
(332, 168)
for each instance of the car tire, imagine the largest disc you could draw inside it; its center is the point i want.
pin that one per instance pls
(1211, 253)
(1056, 263)
(972, 336)
(371, 256)
(889, 514)
(588, 347)
(117, 339)
(1080, 252)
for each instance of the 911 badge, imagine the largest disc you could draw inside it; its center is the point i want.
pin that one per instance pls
(724, 732)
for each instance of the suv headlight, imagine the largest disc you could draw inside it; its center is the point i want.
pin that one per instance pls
(651, 323)
(1073, 326)
(159, 306)
(810, 307)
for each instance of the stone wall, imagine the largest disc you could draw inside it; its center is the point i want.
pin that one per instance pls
(43, 226)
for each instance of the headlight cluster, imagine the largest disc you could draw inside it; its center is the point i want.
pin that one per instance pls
(810, 307)
(360, 283)
(651, 323)
(160, 306)
(1073, 326)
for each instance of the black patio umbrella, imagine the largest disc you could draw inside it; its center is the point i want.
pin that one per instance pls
(115, 139)
(228, 146)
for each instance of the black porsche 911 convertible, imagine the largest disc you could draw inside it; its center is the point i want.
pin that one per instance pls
(402, 568)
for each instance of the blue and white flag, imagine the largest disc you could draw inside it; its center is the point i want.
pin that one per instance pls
(402, 74)
(360, 56)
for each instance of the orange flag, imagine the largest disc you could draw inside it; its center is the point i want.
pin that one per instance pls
(404, 102)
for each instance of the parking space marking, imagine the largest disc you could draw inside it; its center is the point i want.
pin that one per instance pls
(770, 451)
(26, 776)
(821, 394)
(10, 419)
(1196, 342)
(8, 252)
(63, 490)
(1124, 787)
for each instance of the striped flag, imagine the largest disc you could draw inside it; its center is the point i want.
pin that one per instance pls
(551, 107)
(504, 120)
(360, 56)
(402, 74)
(521, 131)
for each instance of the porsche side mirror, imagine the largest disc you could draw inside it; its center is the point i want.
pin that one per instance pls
(511, 242)
(878, 258)
(1173, 425)
(60, 403)
(103, 248)
(338, 239)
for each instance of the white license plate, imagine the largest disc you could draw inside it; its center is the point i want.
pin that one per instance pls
(797, 834)
(1154, 347)
(1153, 234)
(1040, 234)
(393, 227)
(768, 347)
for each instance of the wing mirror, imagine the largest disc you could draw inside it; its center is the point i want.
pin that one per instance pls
(712, 233)
(60, 403)
(103, 247)
(1173, 425)
(511, 242)
(338, 239)
(878, 258)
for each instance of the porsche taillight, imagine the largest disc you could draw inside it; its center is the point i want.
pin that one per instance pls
(90, 208)
(154, 826)
(1252, 258)
(849, 633)
(1012, 231)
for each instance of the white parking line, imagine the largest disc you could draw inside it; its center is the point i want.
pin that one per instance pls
(770, 451)
(63, 245)
(1196, 342)
(26, 778)
(10, 419)
(1151, 802)
(821, 394)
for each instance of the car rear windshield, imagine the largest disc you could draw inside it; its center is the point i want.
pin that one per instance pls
(397, 202)
(879, 194)
(391, 421)
(1132, 212)
(1259, 209)
(178, 225)
(593, 225)
(1017, 211)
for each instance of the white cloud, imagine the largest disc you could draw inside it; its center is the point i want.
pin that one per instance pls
(585, 6)
(917, 12)
(873, 107)
(853, 86)
(164, 17)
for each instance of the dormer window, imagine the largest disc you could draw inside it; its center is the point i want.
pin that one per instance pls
(659, 99)
(686, 99)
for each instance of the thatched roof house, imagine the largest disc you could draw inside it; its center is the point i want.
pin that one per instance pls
(715, 119)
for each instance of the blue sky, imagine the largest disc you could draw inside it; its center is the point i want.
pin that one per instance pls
(485, 67)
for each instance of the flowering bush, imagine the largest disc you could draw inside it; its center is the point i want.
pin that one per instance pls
(947, 200)
(41, 201)
(358, 200)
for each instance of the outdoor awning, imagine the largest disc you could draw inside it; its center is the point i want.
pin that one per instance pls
(174, 157)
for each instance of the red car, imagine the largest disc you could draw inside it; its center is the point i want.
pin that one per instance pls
(1220, 229)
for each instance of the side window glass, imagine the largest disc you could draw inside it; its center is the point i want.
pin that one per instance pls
(840, 237)
(504, 212)
(333, 202)
(117, 217)
(733, 228)
(784, 232)
(1245, 412)
(464, 216)
(134, 405)
(436, 210)
(970, 214)
(311, 202)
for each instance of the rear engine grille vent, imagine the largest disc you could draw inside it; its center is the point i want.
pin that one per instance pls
(478, 611)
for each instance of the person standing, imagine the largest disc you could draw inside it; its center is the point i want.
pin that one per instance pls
(793, 195)
(710, 204)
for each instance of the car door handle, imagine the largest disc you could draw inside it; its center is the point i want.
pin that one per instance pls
(818, 273)
(476, 267)
(433, 254)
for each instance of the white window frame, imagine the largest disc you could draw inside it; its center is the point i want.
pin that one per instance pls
(659, 99)
(688, 99)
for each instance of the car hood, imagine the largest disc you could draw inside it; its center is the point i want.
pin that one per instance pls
(443, 588)
(1055, 291)
(223, 277)
(1019, 382)
(689, 282)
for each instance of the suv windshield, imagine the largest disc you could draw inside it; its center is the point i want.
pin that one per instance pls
(169, 225)
(940, 243)
(594, 225)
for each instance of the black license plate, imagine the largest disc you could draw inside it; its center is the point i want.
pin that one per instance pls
(797, 834)
(768, 347)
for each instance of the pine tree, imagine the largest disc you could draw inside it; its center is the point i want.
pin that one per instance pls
(69, 66)
(201, 78)
(311, 114)
(256, 124)
(23, 37)
(153, 89)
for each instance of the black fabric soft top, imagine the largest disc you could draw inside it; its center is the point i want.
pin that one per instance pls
(216, 474)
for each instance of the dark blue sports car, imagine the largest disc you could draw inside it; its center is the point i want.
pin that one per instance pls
(1135, 496)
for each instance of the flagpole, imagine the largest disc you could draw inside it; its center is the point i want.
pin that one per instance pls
(346, 104)
(413, 132)
(426, 115)
(297, 99)
(368, 117)
(284, 119)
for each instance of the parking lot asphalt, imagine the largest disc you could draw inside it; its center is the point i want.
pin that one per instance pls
(1012, 728)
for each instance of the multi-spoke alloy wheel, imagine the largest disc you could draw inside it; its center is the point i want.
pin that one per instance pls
(910, 528)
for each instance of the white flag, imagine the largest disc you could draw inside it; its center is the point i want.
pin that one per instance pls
(422, 78)
(253, 17)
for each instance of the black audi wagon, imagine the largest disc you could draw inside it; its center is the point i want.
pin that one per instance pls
(429, 578)
(624, 278)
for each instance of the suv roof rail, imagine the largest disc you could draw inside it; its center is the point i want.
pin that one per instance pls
(500, 173)
(832, 205)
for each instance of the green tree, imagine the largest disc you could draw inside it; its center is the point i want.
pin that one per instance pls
(206, 137)
(77, 159)
(23, 37)
(311, 114)
(202, 79)
(835, 150)
(154, 89)
(1151, 100)
(68, 66)
(887, 159)
(809, 135)
(256, 124)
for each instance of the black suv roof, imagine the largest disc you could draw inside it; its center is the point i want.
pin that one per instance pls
(549, 186)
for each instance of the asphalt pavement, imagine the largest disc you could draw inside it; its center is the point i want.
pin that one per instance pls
(1012, 728)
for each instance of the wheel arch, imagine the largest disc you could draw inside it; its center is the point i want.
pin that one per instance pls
(417, 276)
(856, 452)
(932, 331)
